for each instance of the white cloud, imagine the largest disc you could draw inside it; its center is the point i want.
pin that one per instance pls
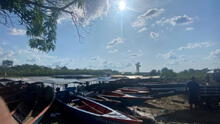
(142, 29)
(6, 55)
(171, 58)
(135, 54)
(179, 60)
(3, 43)
(91, 10)
(10, 54)
(139, 23)
(189, 28)
(1, 51)
(129, 65)
(215, 53)
(96, 8)
(34, 56)
(196, 45)
(154, 35)
(100, 63)
(63, 18)
(29, 56)
(169, 55)
(15, 31)
(95, 58)
(113, 51)
(176, 20)
(68, 62)
(181, 20)
(149, 14)
(114, 42)
(31, 60)
(115, 65)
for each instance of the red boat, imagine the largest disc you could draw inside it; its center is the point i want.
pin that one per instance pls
(92, 112)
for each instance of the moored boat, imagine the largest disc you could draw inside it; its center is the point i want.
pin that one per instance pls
(133, 90)
(126, 99)
(27, 103)
(90, 111)
(105, 101)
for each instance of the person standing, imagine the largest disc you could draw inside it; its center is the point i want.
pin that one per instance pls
(193, 93)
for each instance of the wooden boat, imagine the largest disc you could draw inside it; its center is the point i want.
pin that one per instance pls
(133, 90)
(126, 99)
(105, 101)
(27, 103)
(119, 95)
(89, 111)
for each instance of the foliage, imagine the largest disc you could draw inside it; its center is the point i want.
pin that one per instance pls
(203, 75)
(167, 74)
(154, 72)
(36, 70)
(39, 17)
(200, 75)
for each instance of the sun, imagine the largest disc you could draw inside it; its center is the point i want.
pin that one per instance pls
(122, 5)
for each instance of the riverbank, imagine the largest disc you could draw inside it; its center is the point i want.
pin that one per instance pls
(168, 110)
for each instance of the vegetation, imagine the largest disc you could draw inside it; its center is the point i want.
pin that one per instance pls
(166, 75)
(39, 17)
(203, 75)
(35, 70)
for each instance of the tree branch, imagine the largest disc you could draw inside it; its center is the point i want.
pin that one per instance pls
(63, 9)
(74, 21)
(69, 4)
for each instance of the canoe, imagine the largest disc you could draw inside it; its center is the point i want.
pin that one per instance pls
(89, 111)
(126, 99)
(133, 90)
(27, 103)
(105, 101)
(120, 95)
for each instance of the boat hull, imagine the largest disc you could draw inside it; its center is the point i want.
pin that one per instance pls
(87, 118)
(27, 102)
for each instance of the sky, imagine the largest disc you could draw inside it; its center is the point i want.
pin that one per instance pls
(178, 34)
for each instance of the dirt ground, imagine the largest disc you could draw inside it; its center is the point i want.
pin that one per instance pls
(174, 110)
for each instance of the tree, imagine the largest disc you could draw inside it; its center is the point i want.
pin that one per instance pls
(39, 17)
(64, 68)
(154, 72)
(168, 74)
(36, 70)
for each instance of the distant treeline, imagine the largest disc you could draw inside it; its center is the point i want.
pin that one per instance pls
(36, 70)
(166, 75)
(202, 75)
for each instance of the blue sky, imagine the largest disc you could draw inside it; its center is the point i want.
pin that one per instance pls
(178, 34)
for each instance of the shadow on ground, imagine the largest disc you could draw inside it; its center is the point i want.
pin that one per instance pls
(187, 116)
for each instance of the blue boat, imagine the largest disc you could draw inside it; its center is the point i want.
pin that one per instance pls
(91, 112)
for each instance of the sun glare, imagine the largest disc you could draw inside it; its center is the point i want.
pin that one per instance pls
(121, 5)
